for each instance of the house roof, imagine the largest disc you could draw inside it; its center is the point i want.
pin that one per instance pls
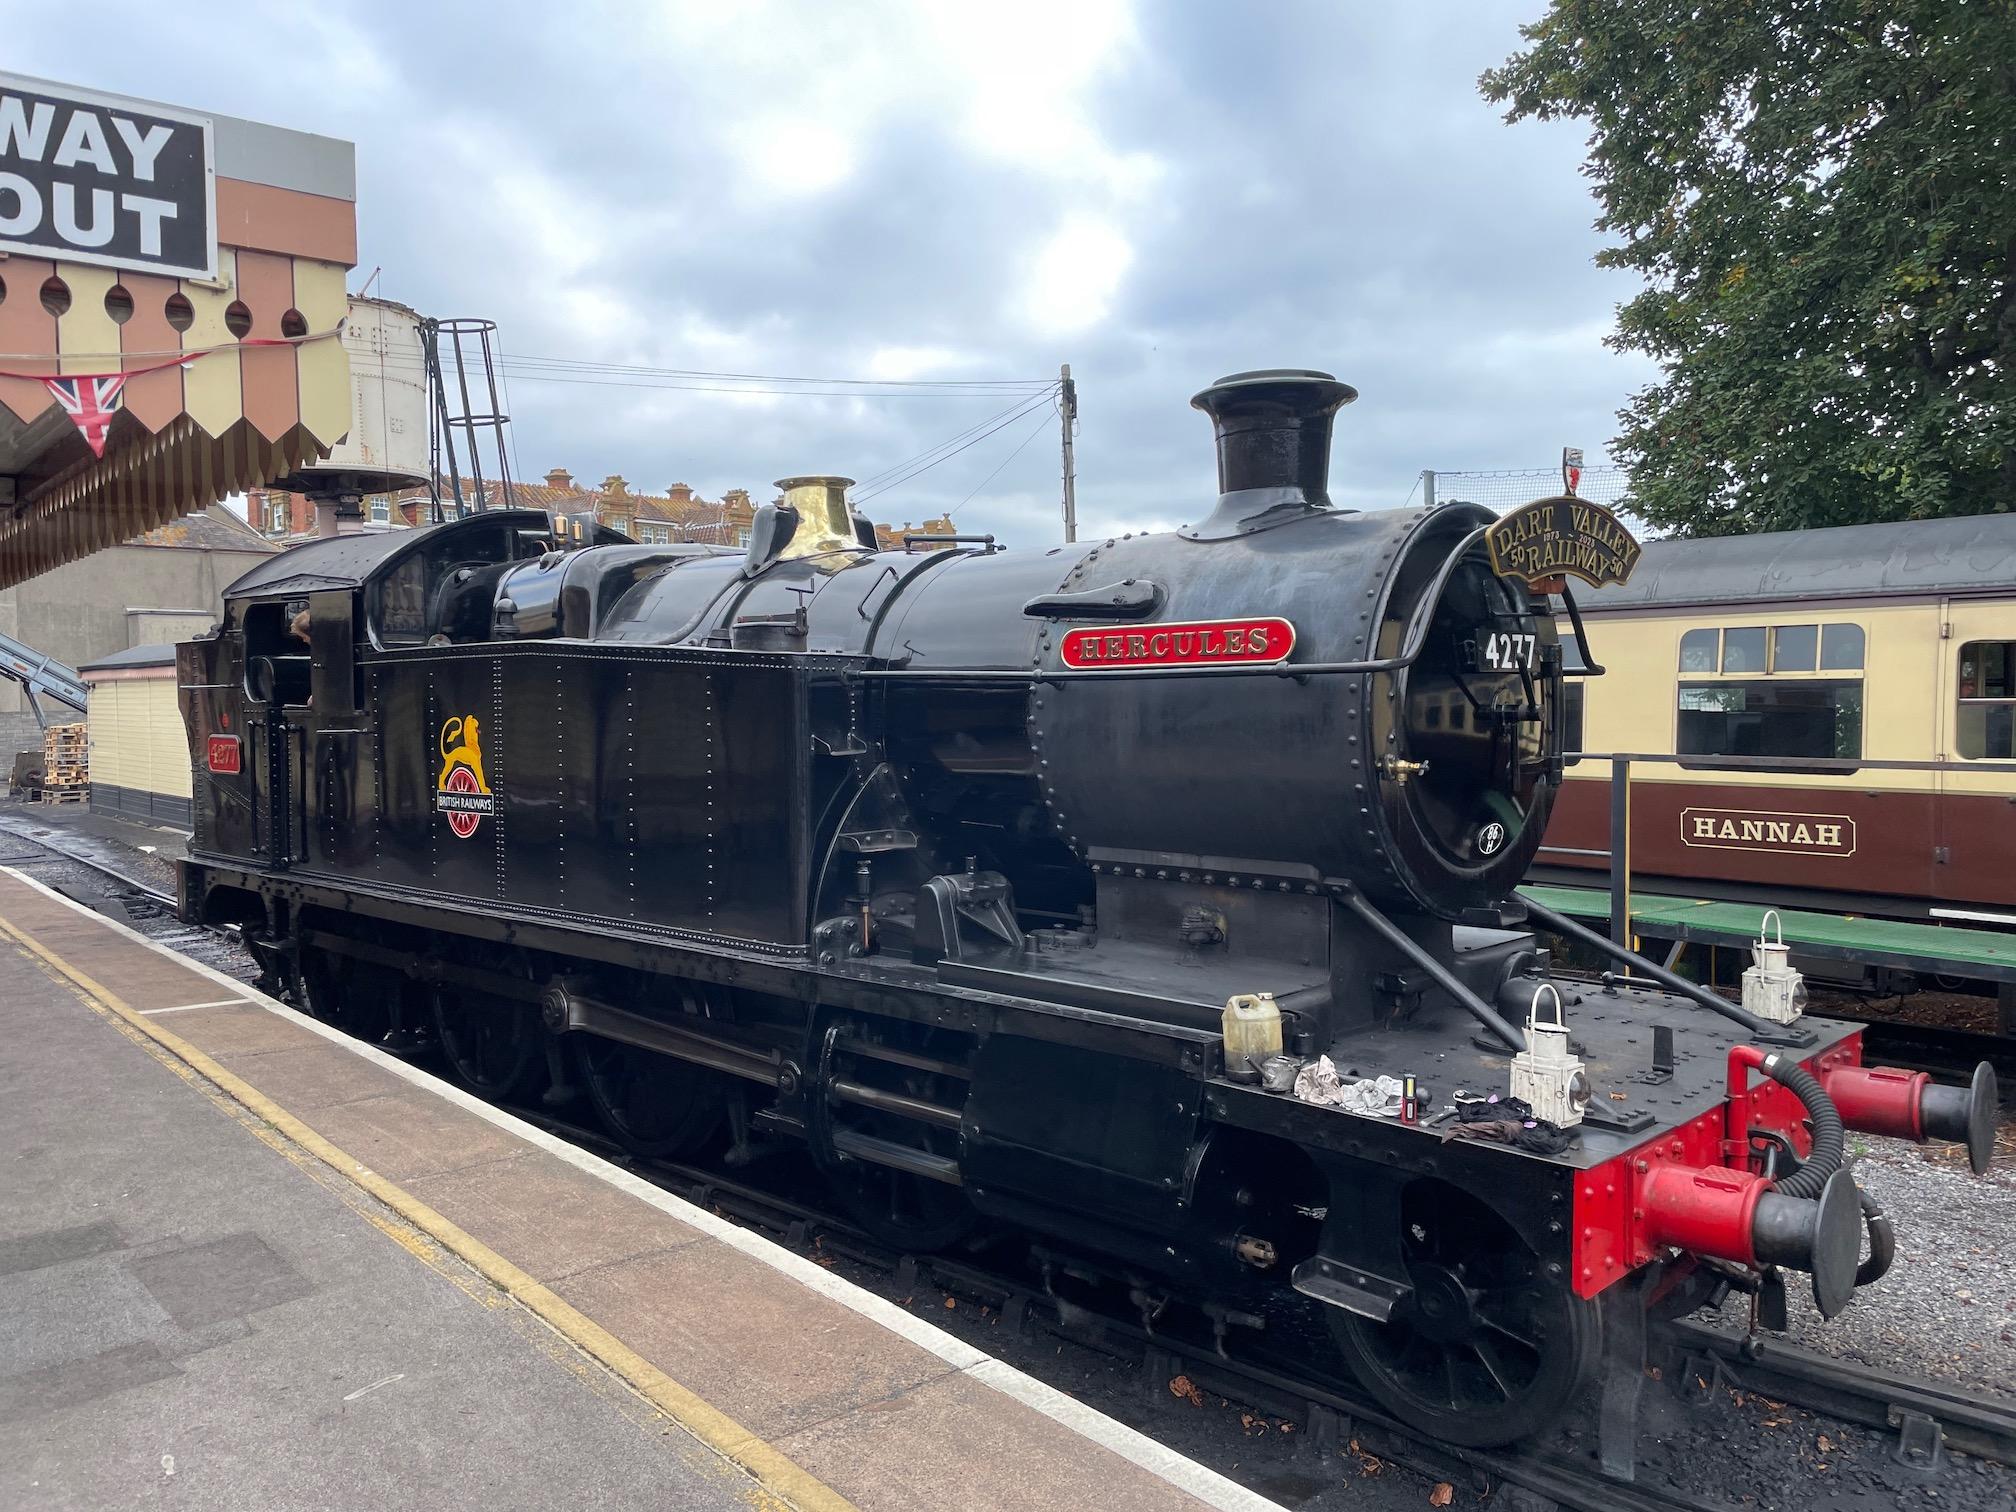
(215, 529)
(574, 498)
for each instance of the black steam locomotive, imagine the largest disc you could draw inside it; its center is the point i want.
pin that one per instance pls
(994, 880)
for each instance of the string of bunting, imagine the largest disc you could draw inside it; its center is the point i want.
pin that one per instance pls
(92, 399)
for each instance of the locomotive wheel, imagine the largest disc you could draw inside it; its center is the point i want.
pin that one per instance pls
(912, 1213)
(1486, 1350)
(496, 1045)
(329, 988)
(654, 1105)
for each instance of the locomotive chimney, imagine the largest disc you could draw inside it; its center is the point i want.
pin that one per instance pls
(821, 521)
(1273, 434)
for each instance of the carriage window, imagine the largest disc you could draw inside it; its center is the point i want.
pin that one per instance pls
(1987, 723)
(1791, 648)
(1697, 650)
(1841, 648)
(1571, 716)
(1802, 718)
(1743, 650)
(1794, 648)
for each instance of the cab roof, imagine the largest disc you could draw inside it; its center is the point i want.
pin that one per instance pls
(351, 561)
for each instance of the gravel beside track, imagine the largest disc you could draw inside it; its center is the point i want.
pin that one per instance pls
(1947, 1310)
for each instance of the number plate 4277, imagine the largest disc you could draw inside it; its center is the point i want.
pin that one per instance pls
(1506, 651)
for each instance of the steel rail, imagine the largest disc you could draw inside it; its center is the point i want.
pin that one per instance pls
(1326, 1408)
(1967, 1421)
(124, 879)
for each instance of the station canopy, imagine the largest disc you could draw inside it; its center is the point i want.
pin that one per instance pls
(172, 299)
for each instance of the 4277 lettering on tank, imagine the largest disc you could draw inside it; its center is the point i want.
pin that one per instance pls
(1259, 640)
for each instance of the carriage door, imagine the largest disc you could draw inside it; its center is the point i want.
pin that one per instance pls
(1975, 823)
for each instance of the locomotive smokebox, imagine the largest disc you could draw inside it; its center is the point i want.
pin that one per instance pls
(1292, 694)
(1273, 432)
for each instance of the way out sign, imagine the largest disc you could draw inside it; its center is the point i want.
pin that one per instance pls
(94, 178)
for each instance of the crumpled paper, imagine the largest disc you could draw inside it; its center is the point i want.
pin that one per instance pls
(1377, 1096)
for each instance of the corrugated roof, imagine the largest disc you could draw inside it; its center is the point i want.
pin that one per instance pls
(1971, 554)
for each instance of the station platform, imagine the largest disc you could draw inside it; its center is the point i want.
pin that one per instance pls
(1989, 955)
(247, 1261)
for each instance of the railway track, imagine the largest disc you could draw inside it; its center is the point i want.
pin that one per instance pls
(1333, 1415)
(1103, 1310)
(1930, 1419)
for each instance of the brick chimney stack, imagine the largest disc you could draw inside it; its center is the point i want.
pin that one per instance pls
(559, 478)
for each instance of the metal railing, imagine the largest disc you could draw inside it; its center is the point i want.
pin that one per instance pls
(1620, 802)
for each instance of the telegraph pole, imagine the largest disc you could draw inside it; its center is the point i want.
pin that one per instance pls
(1067, 411)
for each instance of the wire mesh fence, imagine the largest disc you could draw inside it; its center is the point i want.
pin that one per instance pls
(1507, 488)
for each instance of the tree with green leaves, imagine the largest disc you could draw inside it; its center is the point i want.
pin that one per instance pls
(1821, 198)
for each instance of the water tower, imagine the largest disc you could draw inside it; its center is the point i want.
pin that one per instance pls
(387, 447)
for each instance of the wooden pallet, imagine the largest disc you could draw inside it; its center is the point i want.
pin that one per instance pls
(65, 795)
(66, 755)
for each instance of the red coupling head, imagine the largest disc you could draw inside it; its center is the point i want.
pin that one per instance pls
(1735, 1215)
(1910, 1105)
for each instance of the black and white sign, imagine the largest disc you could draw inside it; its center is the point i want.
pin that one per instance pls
(1507, 652)
(89, 178)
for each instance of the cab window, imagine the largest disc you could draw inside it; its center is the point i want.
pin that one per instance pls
(276, 652)
(1987, 722)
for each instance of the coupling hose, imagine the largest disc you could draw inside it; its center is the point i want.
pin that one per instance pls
(1882, 1242)
(1825, 1160)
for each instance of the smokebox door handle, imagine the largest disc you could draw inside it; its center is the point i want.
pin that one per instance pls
(1136, 598)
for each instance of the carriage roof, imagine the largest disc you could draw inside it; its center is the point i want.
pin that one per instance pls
(1973, 554)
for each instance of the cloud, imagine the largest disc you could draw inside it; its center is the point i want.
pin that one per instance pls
(902, 191)
(1074, 276)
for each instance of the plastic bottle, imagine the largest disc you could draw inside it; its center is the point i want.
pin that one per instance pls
(1252, 1033)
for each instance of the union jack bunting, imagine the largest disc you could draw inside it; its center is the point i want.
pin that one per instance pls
(90, 401)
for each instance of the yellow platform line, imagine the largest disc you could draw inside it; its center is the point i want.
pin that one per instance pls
(775, 1471)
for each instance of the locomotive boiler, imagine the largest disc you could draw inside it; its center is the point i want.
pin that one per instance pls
(956, 867)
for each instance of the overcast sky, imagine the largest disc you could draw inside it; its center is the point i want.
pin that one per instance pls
(1154, 193)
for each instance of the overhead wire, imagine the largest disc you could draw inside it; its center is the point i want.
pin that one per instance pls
(897, 482)
(952, 440)
(679, 386)
(628, 375)
(1041, 420)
